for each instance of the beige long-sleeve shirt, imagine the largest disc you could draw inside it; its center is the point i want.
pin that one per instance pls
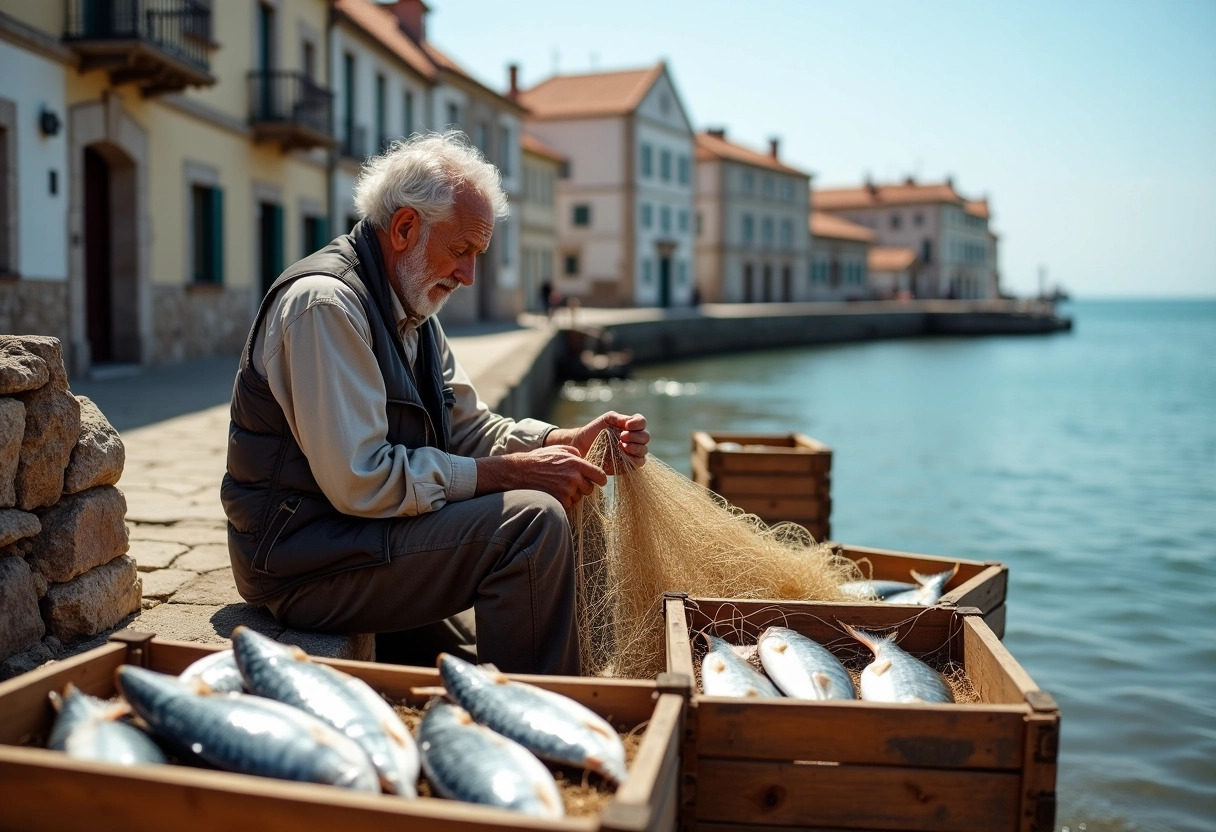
(315, 350)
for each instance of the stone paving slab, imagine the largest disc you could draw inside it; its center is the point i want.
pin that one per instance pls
(155, 554)
(161, 583)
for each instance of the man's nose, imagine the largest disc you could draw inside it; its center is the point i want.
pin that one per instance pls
(466, 269)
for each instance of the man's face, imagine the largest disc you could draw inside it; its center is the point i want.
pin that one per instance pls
(445, 256)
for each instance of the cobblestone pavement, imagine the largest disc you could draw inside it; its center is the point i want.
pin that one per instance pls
(174, 424)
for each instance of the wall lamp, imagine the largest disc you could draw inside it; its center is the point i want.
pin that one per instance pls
(49, 122)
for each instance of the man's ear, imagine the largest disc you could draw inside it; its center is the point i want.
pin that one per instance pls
(404, 230)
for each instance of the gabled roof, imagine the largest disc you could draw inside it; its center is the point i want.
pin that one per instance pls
(593, 94)
(878, 196)
(890, 258)
(711, 146)
(830, 225)
(531, 144)
(381, 24)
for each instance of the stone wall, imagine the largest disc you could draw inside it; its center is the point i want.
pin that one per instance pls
(199, 321)
(36, 306)
(64, 572)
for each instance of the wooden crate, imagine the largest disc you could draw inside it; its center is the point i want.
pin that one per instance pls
(769, 764)
(777, 477)
(43, 789)
(980, 584)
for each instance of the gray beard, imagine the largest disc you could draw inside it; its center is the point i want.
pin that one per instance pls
(412, 282)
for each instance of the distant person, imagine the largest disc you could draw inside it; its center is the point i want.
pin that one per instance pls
(546, 297)
(368, 489)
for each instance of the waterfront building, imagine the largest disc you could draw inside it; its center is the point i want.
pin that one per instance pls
(625, 207)
(542, 167)
(892, 271)
(949, 233)
(751, 224)
(839, 258)
(391, 81)
(157, 164)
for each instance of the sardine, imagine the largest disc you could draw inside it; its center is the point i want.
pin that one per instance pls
(89, 728)
(218, 671)
(285, 673)
(928, 590)
(467, 761)
(725, 673)
(243, 733)
(801, 667)
(896, 675)
(551, 726)
(869, 590)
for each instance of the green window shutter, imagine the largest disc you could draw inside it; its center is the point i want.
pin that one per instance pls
(276, 240)
(217, 236)
(321, 233)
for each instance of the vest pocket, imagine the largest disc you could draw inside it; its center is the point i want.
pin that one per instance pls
(282, 516)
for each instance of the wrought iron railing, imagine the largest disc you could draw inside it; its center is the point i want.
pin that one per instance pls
(288, 97)
(354, 141)
(181, 28)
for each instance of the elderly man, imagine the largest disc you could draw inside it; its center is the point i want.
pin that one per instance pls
(368, 488)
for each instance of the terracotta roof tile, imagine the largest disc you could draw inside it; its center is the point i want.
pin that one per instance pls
(890, 259)
(381, 24)
(595, 94)
(834, 199)
(711, 147)
(531, 144)
(977, 208)
(830, 225)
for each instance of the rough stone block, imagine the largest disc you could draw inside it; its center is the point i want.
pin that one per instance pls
(95, 601)
(360, 647)
(20, 369)
(210, 588)
(21, 624)
(15, 525)
(52, 424)
(99, 454)
(80, 532)
(12, 431)
(31, 659)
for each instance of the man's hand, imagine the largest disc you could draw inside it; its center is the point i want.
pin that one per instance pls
(558, 470)
(632, 437)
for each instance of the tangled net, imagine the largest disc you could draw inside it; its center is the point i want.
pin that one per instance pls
(652, 530)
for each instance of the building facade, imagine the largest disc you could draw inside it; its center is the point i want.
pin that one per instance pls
(542, 168)
(840, 253)
(892, 272)
(751, 224)
(625, 207)
(949, 233)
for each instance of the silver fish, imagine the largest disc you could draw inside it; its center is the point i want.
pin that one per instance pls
(896, 675)
(868, 590)
(551, 726)
(89, 728)
(801, 667)
(218, 671)
(248, 734)
(467, 761)
(725, 673)
(928, 590)
(285, 673)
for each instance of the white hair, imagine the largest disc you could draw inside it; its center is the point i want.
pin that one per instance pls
(424, 172)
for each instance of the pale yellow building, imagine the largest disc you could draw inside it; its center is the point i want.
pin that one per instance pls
(161, 164)
(543, 167)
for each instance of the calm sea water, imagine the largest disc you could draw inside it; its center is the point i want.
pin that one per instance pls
(1085, 461)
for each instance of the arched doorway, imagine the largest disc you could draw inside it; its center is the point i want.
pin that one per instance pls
(110, 258)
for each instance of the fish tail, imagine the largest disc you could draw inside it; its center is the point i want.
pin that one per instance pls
(923, 579)
(871, 640)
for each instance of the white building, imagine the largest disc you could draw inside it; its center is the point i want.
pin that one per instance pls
(949, 233)
(752, 238)
(625, 208)
(840, 252)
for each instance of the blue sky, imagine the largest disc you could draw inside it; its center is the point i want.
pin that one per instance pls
(1091, 126)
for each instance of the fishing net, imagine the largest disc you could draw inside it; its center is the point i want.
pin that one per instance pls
(652, 530)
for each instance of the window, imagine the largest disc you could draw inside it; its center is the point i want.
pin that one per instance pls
(647, 161)
(787, 233)
(315, 234)
(647, 215)
(503, 235)
(582, 215)
(767, 187)
(207, 234)
(407, 114)
(453, 114)
(571, 264)
(665, 165)
(504, 150)
(308, 58)
(896, 221)
(926, 251)
(348, 104)
(382, 138)
(766, 231)
(647, 275)
(683, 220)
(787, 190)
(749, 229)
(483, 138)
(748, 182)
(685, 170)
(664, 218)
(918, 219)
(681, 272)
(664, 103)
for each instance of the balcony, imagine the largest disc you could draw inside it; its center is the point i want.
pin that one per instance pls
(161, 45)
(288, 108)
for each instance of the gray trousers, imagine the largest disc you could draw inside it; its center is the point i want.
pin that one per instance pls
(508, 556)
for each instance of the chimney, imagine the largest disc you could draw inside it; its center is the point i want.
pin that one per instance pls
(411, 17)
(513, 91)
(717, 132)
(910, 180)
(774, 145)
